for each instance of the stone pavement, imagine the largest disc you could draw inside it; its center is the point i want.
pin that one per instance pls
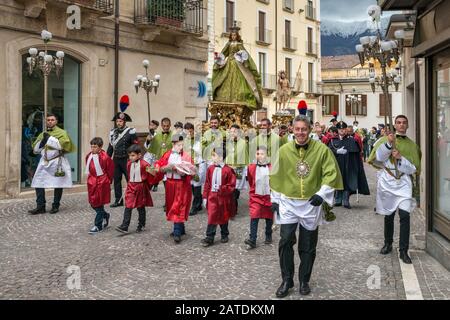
(40, 257)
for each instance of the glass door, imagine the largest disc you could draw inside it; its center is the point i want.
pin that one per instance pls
(441, 168)
(63, 101)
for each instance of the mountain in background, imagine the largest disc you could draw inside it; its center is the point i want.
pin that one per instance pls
(340, 38)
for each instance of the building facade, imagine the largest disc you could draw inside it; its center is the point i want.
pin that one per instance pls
(343, 77)
(427, 91)
(83, 97)
(279, 35)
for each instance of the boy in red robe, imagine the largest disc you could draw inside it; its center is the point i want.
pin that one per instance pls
(218, 197)
(100, 172)
(137, 194)
(260, 206)
(178, 167)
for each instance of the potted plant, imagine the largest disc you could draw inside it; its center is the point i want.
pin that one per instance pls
(166, 12)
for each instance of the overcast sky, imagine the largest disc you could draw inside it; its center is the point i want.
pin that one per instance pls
(345, 10)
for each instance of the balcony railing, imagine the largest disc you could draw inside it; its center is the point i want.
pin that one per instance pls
(264, 1)
(263, 36)
(288, 5)
(181, 15)
(312, 48)
(289, 43)
(310, 12)
(270, 82)
(228, 23)
(332, 74)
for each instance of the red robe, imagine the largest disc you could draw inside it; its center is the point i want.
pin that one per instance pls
(259, 206)
(178, 191)
(137, 194)
(99, 188)
(220, 205)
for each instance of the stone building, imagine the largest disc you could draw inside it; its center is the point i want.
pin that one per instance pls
(169, 33)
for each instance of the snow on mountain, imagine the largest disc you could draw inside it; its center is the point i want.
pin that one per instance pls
(339, 38)
(350, 29)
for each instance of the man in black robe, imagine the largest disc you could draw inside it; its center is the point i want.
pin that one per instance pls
(347, 152)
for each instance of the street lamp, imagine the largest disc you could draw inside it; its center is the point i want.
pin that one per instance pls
(352, 99)
(387, 53)
(46, 63)
(149, 85)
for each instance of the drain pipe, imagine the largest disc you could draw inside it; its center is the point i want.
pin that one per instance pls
(116, 56)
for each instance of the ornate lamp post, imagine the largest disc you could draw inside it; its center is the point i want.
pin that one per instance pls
(46, 63)
(387, 53)
(147, 84)
(352, 99)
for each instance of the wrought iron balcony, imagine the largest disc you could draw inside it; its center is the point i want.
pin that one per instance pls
(185, 16)
(289, 43)
(263, 36)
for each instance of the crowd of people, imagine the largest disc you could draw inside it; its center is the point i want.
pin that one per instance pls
(294, 173)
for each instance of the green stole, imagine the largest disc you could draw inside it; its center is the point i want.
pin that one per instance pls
(160, 144)
(61, 135)
(239, 158)
(407, 148)
(323, 170)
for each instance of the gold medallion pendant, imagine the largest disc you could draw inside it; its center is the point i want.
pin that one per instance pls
(303, 169)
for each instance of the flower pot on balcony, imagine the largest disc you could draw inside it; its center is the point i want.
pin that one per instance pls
(168, 21)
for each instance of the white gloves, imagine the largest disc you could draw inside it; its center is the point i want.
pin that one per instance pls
(341, 151)
(204, 203)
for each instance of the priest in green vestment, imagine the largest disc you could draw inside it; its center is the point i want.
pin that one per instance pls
(304, 178)
(53, 170)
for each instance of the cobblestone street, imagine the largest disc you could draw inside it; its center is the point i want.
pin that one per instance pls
(36, 251)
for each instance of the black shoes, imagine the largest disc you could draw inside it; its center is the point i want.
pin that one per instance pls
(54, 210)
(207, 242)
(283, 290)
(268, 240)
(38, 210)
(177, 239)
(304, 288)
(117, 204)
(404, 256)
(250, 243)
(338, 204)
(224, 240)
(347, 205)
(122, 229)
(140, 229)
(386, 249)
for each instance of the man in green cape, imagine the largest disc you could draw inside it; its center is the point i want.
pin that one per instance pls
(267, 138)
(161, 142)
(237, 158)
(304, 177)
(398, 159)
(54, 169)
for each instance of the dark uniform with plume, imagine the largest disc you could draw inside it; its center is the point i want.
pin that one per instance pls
(120, 139)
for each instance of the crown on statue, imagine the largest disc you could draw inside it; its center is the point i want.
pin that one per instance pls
(235, 27)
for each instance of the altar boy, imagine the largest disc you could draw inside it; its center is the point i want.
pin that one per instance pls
(218, 197)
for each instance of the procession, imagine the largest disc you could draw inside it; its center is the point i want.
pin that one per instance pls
(168, 157)
(294, 180)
